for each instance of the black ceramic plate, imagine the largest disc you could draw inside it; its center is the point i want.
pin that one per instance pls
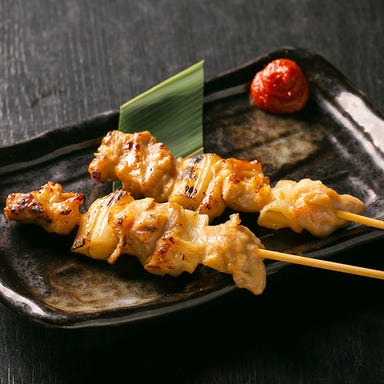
(338, 138)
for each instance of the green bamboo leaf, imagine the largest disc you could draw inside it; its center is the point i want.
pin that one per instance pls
(172, 111)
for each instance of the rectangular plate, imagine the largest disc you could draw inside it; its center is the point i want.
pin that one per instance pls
(338, 138)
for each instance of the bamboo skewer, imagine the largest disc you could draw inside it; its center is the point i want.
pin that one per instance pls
(330, 265)
(196, 152)
(322, 264)
(368, 221)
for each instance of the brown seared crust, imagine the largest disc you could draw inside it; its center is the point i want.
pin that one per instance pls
(168, 239)
(307, 205)
(144, 166)
(205, 183)
(245, 187)
(102, 167)
(47, 207)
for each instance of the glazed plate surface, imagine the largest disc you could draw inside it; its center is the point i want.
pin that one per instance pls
(338, 138)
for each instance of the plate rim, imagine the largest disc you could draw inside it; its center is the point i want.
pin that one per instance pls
(40, 312)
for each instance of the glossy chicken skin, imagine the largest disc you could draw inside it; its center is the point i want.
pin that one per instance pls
(144, 166)
(206, 183)
(51, 208)
(168, 239)
(307, 205)
(165, 237)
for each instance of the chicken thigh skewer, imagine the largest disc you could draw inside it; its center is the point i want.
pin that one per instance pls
(208, 184)
(165, 237)
(168, 239)
(205, 183)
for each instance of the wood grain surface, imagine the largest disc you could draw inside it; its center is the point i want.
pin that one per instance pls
(63, 61)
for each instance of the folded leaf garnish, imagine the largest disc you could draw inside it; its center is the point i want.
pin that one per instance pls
(172, 111)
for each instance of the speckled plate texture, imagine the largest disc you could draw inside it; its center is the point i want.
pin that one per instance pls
(338, 138)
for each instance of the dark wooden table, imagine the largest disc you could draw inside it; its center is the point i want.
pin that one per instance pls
(63, 61)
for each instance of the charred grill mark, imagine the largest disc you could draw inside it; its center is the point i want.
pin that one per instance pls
(189, 173)
(150, 228)
(207, 206)
(114, 197)
(80, 243)
(36, 208)
(190, 191)
(65, 212)
(25, 203)
(95, 174)
(80, 197)
(128, 146)
(197, 159)
(166, 244)
(159, 260)
(120, 195)
(109, 201)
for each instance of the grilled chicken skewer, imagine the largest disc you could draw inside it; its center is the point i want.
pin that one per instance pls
(166, 238)
(205, 183)
(208, 184)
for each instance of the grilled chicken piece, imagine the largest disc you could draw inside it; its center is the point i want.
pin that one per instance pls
(245, 187)
(96, 237)
(208, 184)
(164, 236)
(232, 248)
(144, 166)
(307, 205)
(49, 207)
(198, 187)
(168, 239)
(205, 183)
